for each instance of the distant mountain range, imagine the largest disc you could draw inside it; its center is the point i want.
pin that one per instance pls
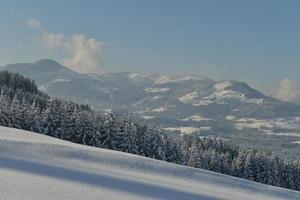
(177, 103)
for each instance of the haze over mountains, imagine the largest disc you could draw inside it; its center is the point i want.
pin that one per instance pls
(178, 103)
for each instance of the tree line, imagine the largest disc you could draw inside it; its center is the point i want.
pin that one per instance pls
(225, 157)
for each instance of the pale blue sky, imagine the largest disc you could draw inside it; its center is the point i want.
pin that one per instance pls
(254, 41)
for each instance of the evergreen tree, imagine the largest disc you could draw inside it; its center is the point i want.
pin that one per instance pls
(16, 114)
(33, 118)
(195, 157)
(173, 151)
(238, 163)
(129, 138)
(110, 137)
(4, 109)
(250, 167)
(154, 145)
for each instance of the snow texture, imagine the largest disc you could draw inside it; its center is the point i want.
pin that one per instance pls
(34, 167)
(160, 109)
(266, 123)
(186, 130)
(221, 93)
(197, 118)
(157, 90)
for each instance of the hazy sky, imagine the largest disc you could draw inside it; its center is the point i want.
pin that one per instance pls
(255, 41)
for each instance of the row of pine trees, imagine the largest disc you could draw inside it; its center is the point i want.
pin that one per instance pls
(23, 106)
(227, 158)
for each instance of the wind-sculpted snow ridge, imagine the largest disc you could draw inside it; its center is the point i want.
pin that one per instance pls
(34, 166)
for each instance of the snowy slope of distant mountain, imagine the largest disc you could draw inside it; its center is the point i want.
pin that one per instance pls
(34, 166)
(174, 102)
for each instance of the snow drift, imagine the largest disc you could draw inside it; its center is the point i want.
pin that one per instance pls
(34, 166)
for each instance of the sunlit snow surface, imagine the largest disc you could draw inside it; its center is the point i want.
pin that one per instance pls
(35, 167)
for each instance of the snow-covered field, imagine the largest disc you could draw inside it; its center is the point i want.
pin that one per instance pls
(271, 123)
(188, 129)
(34, 167)
(197, 118)
(157, 90)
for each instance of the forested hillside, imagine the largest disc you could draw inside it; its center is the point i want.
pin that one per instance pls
(23, 106)
(179, 103)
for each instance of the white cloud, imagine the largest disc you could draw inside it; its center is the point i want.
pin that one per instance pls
(85, 54)
(33, 23)
(53, 40)
(288, 90)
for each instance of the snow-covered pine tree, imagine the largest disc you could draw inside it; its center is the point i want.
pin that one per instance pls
(173, 150)
(16, 113)
(129, 138)
(85, 127)
(68, 121)
(204, 161)
(187, 142)
(297, 175)
(142, 132)
(250, 171)
(48, 117)
(262, 168)
(154, 145)
(33, 118)
(97, 122)
(4, 109)
(238, 163)
(195, 156)
(110, 138)
(274, 171)
(225, 167)
(288, 178)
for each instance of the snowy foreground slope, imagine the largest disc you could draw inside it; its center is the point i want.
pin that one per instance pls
(34, 166)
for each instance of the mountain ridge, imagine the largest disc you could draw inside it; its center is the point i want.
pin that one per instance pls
(54, 66)
(177, 103)
(58, 73)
